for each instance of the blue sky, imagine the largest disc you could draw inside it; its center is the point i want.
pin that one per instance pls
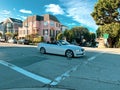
(69, 12)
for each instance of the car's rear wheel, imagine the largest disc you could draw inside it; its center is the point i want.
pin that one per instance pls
(69, 53)
(42, 50)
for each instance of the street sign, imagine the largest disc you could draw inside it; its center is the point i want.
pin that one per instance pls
(105, 35)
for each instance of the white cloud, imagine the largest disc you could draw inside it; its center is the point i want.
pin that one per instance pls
(80, 11)
(55, 9)
(22, 17)
(25, 11)
(18, 18)
(14, 9)
(71, 24)
(5, 12)
(2, 18)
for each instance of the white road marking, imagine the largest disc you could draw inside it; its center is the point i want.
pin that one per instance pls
(67, 73)
(64, 75)
(93, 57)
(42, 79)
(36, 77)
(26, 73)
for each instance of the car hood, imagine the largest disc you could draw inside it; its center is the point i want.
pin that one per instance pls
(74, 46)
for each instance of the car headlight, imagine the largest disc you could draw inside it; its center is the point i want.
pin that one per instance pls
(77, 50)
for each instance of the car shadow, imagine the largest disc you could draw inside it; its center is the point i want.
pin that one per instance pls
(68, 58)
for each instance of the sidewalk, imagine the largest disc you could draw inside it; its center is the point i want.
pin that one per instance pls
(37, 89)
(14, 45)
(110, 50)
(107, 50)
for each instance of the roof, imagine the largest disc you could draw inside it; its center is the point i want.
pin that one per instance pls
(64, 25)
(15, 20)
(53, 18)
(50, 17)
(1, 23)
(39, 18)
(34, 18)
(45, 17)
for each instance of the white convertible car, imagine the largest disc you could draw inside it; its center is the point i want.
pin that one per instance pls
(61, 47)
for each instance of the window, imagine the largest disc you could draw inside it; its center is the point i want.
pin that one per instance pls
(9, 24)
(50, 32)
(26, 24)
(51, 23)
(45, 23)
(53, 32)
(45, 32)
(56, 25)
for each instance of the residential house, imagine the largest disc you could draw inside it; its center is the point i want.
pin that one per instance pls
(63, 28)
(47, 26)
(10, 25)
(32, 25)
(1, 29)
(52, 27)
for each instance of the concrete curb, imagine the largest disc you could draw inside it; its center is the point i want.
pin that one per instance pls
(4, 45)
(37, 89)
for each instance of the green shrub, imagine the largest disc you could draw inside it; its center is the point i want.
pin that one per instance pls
(118, 44)
(38, 39)
(59, 36)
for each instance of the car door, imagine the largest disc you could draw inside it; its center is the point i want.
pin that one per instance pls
(56, 49)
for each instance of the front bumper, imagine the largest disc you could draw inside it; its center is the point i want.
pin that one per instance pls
(79, 54)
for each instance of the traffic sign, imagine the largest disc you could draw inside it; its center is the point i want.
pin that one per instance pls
(105, 35)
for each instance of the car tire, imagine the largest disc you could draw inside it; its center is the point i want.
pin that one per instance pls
(69, 53)
(42, 50)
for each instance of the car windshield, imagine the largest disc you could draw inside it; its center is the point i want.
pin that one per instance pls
(64, 42)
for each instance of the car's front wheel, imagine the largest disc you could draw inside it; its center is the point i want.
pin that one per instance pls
(69, 53)
(42, 50)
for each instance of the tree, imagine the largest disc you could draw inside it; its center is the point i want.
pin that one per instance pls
(107, 15)
(0, 34)
(59, 36)
(15, 35)
(31, 37)
(92, 36)
(79, 33)
(38, 39)
(113, 30)
(8, 35)
(106, 12)
(68, 34)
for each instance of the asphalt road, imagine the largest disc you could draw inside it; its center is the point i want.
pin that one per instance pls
(25, 67)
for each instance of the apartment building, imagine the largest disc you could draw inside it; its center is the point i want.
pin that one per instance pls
(63, 28)
(32, 25)
(10, 25)
(1, 29)
(52, 27)
(47, 26)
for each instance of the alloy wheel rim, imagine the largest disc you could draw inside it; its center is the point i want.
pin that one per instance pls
(69, 54)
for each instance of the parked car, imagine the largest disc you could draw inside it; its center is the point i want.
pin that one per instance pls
(2, 40)
(61, 47)
(97, 44)
(23, 41)
(12, 41)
